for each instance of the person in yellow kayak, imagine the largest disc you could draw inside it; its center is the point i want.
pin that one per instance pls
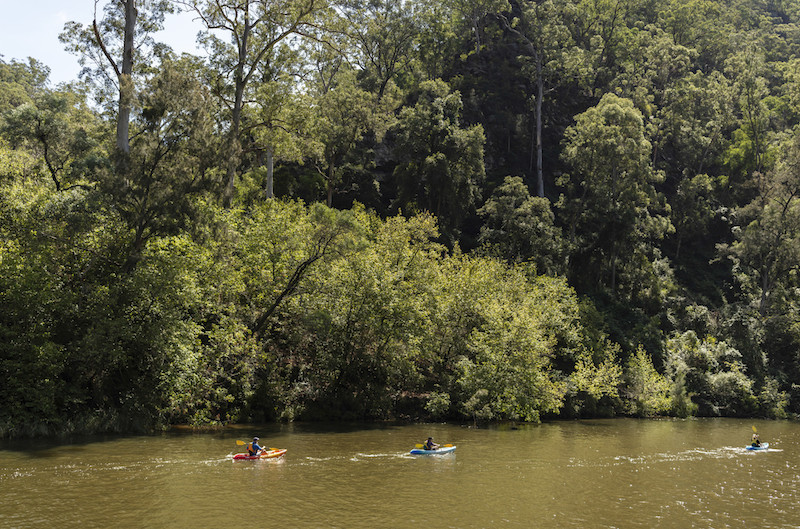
(253, 448)
(756, 440)
(430, 445)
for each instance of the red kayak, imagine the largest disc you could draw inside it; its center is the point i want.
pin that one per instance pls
(266, 454)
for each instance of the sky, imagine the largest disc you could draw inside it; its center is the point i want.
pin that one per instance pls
(27, 31)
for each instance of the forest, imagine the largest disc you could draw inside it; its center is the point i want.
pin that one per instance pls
(470, 210)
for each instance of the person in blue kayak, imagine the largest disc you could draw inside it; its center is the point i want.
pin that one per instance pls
(756, 440)
(253, 448)
(430, 445)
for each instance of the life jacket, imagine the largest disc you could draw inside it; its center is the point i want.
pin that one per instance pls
(250, 449)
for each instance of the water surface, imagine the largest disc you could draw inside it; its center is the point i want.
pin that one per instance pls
(604, 473)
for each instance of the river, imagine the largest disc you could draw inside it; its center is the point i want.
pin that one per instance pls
(620, 473)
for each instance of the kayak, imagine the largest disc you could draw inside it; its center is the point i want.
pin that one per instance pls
(764, 446)
(266, 454)
(438, 451)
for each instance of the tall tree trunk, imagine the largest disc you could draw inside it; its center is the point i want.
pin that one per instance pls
(539, 97)
(125, 79)
(331, 172)
(270, 193)
(234, 143)
(763, 302)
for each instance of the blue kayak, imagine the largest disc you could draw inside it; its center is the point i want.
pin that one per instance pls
(438, 451)
(764, 446)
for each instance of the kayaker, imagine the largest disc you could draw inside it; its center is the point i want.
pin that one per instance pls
(430, 445)
(253, 448)
(756, 440)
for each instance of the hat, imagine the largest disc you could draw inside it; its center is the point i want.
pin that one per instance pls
(255, 438)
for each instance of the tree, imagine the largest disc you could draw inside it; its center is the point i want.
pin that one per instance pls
(256, 27)
(20, 81)
(521, 228)
(710, 373)
(766, 252)
(700, 25)
(647, 391)
(693, 124)
(384, 32)
(60, 128)
(547, 44)
(440, 163)
(749, 152)
(278, 122)
(610, 200)
(343, 113)
(506, 370)
(171, 158)
(472, 15)
(113, 46)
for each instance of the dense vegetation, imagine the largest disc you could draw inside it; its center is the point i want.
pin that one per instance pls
(474, 209)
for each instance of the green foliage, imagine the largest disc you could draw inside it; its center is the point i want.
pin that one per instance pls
(440, 162)
(438, 404)
(20, 82)
(592, 386)
(647, 392)
(521, 228)
(505, 369)
(610, 201)
(711, 374)
(59, 129)
(659, 135)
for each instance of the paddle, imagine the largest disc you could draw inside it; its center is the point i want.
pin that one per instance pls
(419, 445)
(756, 432)
(242, 443)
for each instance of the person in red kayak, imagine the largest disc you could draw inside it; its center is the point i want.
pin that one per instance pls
(253, 448)
(430, 445)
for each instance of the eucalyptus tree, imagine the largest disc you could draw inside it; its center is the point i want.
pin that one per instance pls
(547, 48)
(437, 44)
(173, 155)
(385, 33)
(520, 228)
(343, 114)
(20, 81)
(610, 202)
(766, 252)
(692, 136)
(474, 16)
(750, 148)
(114, 52)
(700, 25)
(278, 122)
(440, 161)
(255, 28)
(60, 129)
(600, 28)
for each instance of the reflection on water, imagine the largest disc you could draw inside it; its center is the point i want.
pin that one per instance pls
(607, 473)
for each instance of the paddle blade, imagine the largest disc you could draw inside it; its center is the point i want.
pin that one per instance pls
(754, 429)
(240, 443)
(451, 444)
(418, 445)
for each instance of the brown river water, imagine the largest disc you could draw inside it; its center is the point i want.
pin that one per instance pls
(619, 473)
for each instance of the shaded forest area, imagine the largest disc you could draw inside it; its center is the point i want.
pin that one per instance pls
(424, 209)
